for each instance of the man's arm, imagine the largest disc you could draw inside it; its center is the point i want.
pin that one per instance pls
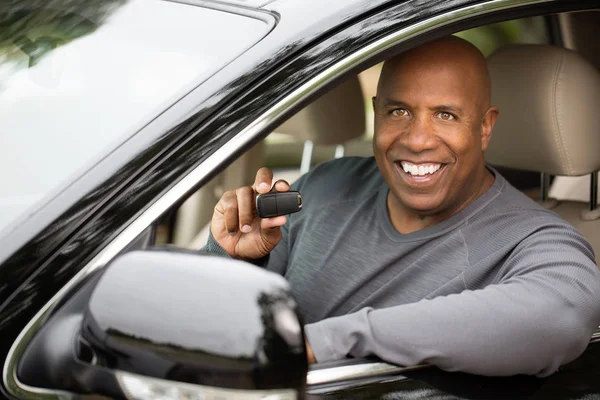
(540, 316)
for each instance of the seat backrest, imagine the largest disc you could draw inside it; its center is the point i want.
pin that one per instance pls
(335, 118)
(548, 99)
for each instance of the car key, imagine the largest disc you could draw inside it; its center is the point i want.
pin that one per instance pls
(274, 204)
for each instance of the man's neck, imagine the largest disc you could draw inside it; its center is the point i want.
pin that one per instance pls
(407, 221)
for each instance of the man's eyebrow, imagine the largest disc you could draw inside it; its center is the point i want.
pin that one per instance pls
(393, 102)
(388, 102)
(447, 107)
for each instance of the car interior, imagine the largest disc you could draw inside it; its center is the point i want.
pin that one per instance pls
(551, 158)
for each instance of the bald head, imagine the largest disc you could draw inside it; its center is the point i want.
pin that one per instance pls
(464, 61)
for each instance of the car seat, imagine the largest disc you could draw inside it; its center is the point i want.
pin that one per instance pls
(333, 119)
(577, 28)
(548, 99)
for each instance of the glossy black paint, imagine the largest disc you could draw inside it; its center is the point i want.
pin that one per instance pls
(57, 358)
(41, 255)
(200, 319)
(177, 316)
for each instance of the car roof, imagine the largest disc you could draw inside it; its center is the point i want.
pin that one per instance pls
(249, 3)
(324, 8)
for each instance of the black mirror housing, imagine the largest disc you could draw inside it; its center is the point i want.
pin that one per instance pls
(171, 316)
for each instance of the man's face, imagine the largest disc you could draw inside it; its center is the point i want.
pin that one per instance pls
(430, 134)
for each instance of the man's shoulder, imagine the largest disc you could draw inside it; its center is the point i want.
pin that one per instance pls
(511, 202)
(342, 178)
(513, 217)
(516, 228)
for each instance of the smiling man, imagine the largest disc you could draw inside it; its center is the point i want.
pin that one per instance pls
(433, 120)
(423, 254)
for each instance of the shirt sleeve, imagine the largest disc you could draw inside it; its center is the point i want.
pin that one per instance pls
(213, 247)
(540, 315)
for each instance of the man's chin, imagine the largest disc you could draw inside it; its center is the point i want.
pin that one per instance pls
(422, 205)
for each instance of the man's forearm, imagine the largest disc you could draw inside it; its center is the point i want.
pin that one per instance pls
(500, 330)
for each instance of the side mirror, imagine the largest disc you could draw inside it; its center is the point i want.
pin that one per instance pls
(173, 324)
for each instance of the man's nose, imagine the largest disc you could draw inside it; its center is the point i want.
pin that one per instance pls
(420, 135)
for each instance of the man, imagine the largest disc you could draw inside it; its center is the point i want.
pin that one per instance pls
(423, 254)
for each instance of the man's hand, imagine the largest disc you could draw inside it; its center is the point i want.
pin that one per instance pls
(309, 354)
(235, 223)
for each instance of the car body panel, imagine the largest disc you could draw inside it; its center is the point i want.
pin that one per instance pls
(37, 264)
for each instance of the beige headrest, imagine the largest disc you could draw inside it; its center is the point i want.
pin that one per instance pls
(334, 118)
(549, 101)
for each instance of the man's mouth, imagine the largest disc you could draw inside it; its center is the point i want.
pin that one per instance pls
(421, 169)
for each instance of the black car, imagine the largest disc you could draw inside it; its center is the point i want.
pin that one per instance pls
(122, 122)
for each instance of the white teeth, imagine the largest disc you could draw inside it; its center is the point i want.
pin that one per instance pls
(420, 170)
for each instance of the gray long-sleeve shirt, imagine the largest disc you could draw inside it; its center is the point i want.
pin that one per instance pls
(500, 288)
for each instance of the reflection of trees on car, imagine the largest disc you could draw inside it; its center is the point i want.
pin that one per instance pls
(491, 37)
(35, 27)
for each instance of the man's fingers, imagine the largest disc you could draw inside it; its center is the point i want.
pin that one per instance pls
(229, 207)
(282, 186)
(245, 202)
(262, 182)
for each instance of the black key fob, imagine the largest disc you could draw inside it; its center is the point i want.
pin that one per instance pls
(274, 204)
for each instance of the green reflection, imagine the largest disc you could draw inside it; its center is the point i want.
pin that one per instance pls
(489, 38)
(30, 29)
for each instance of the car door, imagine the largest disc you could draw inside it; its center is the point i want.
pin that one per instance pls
(222, 126)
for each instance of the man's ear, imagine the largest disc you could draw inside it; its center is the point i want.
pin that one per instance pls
(487, 125)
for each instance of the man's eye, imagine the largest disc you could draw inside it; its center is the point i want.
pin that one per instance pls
(446, 116)
(400, 112)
